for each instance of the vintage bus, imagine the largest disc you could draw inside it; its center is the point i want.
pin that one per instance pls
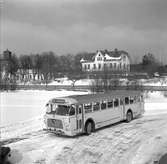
(84, 113)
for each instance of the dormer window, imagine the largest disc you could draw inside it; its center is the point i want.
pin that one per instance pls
(124, 58)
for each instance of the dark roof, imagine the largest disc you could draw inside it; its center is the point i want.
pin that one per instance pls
(115, 53)
(89, 56)
(108, 95)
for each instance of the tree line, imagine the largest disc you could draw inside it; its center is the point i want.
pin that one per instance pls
(149, 65)
(48, 64)
(51, 65)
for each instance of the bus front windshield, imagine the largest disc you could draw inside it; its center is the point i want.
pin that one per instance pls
(62, 110)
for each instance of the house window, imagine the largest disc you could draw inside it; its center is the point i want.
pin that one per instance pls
(85, 67)
(99, 66)
(115, 65)
(99, 58)
(110, 65)
(94, 66)
(105, 66)
(124, 66)
(88, 66)
(124, 58)
(120, 66)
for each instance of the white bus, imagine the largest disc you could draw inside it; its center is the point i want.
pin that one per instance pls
(84, 113)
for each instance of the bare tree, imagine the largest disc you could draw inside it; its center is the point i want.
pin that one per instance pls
(47, 66)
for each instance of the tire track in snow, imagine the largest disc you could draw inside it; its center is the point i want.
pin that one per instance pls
(115, 144)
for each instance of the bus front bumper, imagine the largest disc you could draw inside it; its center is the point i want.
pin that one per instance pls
(59, 131)
(56, 131)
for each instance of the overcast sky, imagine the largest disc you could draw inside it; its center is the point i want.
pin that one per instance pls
(71, 26)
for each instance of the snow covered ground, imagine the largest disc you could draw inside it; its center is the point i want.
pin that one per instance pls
(154, 82)
(22, 111)
(141, 141)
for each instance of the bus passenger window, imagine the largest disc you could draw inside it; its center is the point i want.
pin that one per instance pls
(88, 108)
(137, 99)
(103, 105)
(131, 100)
(72, 110)
(96, 106)
(121, 102)
(110, 104)
(116, 102)
(126, 100)
(79, 109)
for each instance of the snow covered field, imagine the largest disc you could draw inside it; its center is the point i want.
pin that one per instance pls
(22, 111)
(142, 141)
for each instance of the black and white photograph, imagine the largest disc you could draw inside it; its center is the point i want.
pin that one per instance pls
(83, 81)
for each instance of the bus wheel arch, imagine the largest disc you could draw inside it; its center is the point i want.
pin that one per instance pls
(129, 115)
(89, 126)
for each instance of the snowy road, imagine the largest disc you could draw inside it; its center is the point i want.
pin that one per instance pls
(137, 143)
(141, 141)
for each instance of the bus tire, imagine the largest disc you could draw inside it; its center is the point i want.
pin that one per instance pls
(129, 116)
(89, 127)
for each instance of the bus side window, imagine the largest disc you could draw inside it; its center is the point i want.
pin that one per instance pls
(116, 102)
(131, 100)
(88, 108)
(72, 110)
(121, 101)
(137, 98)
(126, 100)
(96, 106)
(79, 109)
(103, 105)
(110, 104)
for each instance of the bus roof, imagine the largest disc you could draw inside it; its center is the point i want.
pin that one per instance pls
(88, 98)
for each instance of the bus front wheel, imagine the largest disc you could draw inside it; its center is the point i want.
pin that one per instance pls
(89, 128)
(129, 116)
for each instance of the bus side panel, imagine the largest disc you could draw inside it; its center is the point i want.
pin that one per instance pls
(105, 117)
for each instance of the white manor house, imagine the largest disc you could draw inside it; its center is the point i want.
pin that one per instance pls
(114, 61)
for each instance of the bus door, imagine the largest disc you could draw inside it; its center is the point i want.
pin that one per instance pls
(122, 107)
(79, 118)
(118, 109)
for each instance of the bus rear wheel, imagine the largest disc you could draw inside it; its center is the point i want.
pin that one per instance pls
(129, 116)
(89, 128)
